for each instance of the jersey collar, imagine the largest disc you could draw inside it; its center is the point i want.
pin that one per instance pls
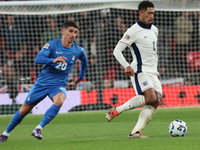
(141, 24)
(64, 46)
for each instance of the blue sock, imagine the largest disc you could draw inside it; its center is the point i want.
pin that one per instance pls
(49, 115)
(17, 118)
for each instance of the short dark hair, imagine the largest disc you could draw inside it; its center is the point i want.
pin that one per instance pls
(144, 4)
(69, 24)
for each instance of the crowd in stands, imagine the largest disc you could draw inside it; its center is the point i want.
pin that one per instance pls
(22, 37)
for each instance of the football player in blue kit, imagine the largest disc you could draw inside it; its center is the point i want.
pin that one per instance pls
(58, 57)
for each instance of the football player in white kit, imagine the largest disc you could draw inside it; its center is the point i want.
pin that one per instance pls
(141, 38)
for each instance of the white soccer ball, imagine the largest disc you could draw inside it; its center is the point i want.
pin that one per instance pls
(178, 128)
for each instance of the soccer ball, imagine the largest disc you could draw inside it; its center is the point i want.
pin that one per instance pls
(178, 128)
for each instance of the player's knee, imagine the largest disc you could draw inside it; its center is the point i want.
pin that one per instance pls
(25, 109)
(150, 99)
(156, 104)
(59, 102)
(156, 100)
(59, 99)
(159, 97)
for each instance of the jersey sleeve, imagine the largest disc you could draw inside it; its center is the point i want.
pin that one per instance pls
(84, 61)
(47, 48)
(129, 37)
(156, 30)
(118, 54)
(43, 56)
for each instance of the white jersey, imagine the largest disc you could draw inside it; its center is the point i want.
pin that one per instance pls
(142, 42)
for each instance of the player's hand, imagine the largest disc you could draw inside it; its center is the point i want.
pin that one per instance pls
(129, 71)
(60, 59)
(75, 83)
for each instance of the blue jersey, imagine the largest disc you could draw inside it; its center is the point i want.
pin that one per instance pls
(57, 73)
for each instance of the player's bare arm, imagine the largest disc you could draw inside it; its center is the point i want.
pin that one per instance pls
(76, 81)
(129, 71)
(60, 59)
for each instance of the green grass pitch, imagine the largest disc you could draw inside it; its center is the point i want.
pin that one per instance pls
(91, 131)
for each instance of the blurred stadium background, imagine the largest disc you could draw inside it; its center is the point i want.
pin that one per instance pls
(27, 25)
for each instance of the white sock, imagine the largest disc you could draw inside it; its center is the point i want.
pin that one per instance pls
(39, 126)
(135, 102)
(144, 118)
(7, 134)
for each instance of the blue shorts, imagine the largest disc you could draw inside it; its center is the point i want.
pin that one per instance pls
(39, 92)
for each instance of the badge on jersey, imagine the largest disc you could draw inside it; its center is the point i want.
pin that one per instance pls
(127, 37)
(73, 58)
(46, 46)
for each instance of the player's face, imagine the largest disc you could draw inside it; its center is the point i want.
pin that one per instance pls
(69, 34)
(147, 16)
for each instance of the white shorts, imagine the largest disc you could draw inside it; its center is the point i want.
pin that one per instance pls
(143, 81)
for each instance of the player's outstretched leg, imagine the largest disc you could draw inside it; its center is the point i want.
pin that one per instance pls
(144, 118)
(37, 133)
(48, 116)
(17, 118)
(135, 102)
(137, 134)
(111, 114)
(4, 137)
